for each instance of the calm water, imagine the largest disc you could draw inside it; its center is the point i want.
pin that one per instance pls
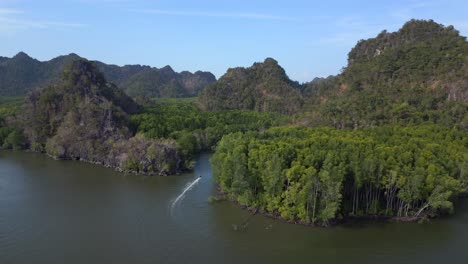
(71, 212)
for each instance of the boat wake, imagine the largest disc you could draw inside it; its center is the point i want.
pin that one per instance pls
(181, 196)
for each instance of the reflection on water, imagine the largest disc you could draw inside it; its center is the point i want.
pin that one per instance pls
(71, 212)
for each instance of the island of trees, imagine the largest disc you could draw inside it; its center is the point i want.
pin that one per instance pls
(317, 175)
(387, 137)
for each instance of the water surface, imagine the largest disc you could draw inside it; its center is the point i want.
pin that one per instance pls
(72, 212)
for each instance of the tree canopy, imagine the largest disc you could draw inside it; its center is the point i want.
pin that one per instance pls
(321, 175)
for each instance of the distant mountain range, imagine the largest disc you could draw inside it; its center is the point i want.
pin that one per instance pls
(21, 74)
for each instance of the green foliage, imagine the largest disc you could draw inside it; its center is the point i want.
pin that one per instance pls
(416, 75)
(14, 139)
(81, 96)
(264, 87)
(9, 106)
(196, 130)
(4, 132)
(317, 175)
(82, 117)
(10, 136)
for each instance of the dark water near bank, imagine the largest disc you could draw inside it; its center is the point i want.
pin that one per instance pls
(71, 212)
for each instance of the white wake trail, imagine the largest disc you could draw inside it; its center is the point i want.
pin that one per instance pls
(185, 190)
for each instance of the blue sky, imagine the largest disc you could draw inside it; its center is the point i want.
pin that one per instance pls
(308, 38)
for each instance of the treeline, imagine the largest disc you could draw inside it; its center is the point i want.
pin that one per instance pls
(368, 108)
(320, 175)
(196, 130)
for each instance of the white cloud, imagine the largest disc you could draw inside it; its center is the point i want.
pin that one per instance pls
(11, 20)
(247, 15)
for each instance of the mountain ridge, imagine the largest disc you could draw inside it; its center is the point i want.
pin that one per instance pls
(22, 73)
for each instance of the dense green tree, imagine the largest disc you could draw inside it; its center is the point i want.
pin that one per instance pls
(196, 130)
(14, 140)
(320, 175)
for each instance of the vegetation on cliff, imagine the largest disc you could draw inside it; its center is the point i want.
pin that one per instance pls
(416, 75)
(83, 117)
(263, 87)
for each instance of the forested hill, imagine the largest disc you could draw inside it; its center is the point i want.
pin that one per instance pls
(21, 73)
(83, 117)
(262, 87)
(415, 75)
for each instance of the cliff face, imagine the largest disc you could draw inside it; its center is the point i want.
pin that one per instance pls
(82, 117)
(262, 87)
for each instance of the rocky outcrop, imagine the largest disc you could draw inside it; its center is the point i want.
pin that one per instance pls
(82, 117)
(262, 87)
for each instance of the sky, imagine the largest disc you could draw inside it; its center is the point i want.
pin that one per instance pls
(308, 38)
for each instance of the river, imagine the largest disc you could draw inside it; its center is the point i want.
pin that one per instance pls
(72, 212)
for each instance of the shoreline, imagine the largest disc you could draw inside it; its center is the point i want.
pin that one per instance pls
(221, 197)
(97, 163)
